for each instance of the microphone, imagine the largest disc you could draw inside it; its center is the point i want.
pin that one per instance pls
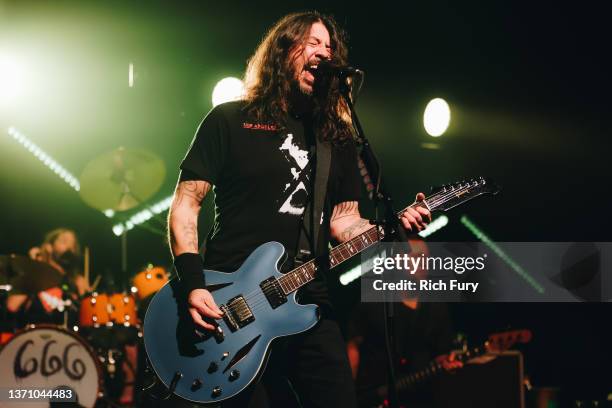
(328, 68)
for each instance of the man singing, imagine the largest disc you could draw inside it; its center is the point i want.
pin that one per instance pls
(257, 153)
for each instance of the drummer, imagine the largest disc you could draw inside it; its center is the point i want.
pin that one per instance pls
(60, 249)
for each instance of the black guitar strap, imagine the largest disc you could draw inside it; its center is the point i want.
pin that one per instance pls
(312, 236)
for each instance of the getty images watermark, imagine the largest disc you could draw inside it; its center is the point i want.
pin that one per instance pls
(411, 264)
(495, 272)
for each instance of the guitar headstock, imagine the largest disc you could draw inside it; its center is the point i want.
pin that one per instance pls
(451, 195)
(499, 342)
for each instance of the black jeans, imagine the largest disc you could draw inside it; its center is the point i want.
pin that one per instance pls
(308, 370)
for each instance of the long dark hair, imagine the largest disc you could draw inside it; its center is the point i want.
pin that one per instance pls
(269, 77)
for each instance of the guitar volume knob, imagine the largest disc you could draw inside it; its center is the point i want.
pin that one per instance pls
(212, 367)
(234, 375)
(216, 392)
(196, 384)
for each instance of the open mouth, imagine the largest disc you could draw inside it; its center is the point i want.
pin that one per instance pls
(312, 68)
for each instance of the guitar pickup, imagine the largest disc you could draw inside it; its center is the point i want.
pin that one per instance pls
(237, 313)
(273, 291)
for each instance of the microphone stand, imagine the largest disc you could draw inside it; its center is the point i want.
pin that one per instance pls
(392, 230)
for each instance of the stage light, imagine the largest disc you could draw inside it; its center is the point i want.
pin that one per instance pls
(434, 225)
(356, 272)
(351, 275)
(436, 117)
(143, 216)
(45, 158)
(228, 89)
(479, 233)
(12, 80)
(131, 75)
(118, 229)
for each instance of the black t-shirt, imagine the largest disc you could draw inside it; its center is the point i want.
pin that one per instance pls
(262, 178)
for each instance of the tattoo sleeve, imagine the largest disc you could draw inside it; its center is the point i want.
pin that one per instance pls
(345, 209)
(183, 216)
(191, 192)
(346, 222)
(354, 229)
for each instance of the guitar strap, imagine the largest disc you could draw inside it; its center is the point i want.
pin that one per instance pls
(312, 236)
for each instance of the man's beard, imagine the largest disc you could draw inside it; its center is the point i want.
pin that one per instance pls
(67, 260)
(312, 98)
(298, 89)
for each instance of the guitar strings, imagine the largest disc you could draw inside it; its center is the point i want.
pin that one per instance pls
(257, 297)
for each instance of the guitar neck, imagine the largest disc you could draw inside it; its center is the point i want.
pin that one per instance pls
(496, 343)
(298, 277)
(434, 368)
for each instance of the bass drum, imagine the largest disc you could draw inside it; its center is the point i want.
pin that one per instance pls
(45, 358)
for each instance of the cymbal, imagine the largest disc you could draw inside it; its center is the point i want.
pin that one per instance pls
(26, 275)
(121, 179)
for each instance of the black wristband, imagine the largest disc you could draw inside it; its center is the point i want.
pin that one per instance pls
(189, 268)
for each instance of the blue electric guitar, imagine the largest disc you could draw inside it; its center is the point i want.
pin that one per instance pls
(259, 305)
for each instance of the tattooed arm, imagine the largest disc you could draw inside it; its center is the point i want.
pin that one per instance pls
(183, 216)
(346, 222)
(183, 237)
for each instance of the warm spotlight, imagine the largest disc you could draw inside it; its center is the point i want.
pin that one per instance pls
(228, 89)
(436, 117)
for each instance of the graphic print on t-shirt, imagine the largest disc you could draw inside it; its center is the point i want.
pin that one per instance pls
(295, 194)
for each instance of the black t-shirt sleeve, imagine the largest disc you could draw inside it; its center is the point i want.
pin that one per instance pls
(208, 150)
(348, 185)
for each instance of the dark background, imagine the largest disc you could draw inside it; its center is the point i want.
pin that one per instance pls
(528, 84)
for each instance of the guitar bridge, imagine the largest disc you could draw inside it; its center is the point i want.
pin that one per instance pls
(237, 313)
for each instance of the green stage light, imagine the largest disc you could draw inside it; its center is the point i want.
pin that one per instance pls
(355, 273)
(434, 225)
(228, 89)
(45, 158)
(142, 216)
(436, 117)
(131, 75)
(479, 233)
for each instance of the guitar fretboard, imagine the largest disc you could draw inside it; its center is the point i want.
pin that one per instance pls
(300, 276)
(303, 274)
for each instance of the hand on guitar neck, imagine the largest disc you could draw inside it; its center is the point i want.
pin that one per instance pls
(416, 218)
(449, 362)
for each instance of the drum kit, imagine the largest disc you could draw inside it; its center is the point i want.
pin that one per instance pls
(87, 353)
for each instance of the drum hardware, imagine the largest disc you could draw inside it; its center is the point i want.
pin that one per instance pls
(120, 180)
(23, 275)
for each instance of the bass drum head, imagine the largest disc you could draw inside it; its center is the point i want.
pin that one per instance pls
(49, 358)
